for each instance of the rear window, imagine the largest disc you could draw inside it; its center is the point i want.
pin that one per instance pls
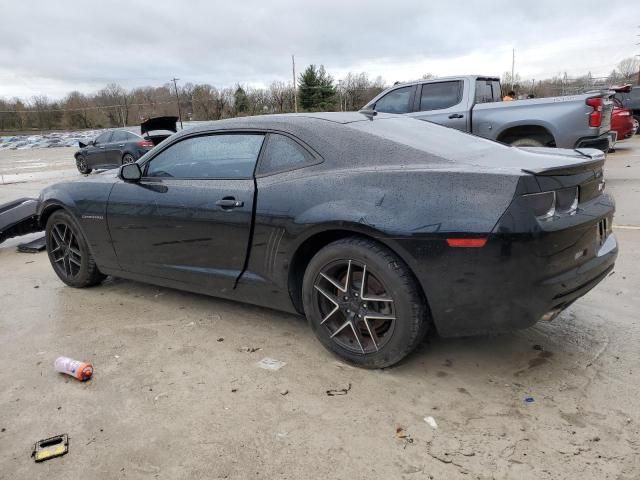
(488, 91)
(437, 96)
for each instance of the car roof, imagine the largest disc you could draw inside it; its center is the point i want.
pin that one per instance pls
(444, 79)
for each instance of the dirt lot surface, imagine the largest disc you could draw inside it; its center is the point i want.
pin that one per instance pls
(177, 393)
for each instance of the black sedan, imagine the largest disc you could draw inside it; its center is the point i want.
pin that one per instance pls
(376, 227)
(110, 150)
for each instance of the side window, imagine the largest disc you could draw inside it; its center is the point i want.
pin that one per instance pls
(104, 137)
(211, 156)
(119, 136)
(484, 92)
(282, 153)
(396, 101)
(437, 96)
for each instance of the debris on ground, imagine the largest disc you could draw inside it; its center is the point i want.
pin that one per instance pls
(538, 347)
(35, 246)
(50, 448)
(249, 349)
(160, 395)
(402, 434)
(221, 339)
(339, 391)
(284, 392)
(431, 422)
(529, 399)
(270, 364)
(77, 369)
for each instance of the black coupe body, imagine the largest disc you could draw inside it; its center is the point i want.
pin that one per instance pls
(374, 227)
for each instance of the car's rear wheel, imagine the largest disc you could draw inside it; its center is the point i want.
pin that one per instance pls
(127, 158)
(81, 164)
(363, 303)
(527, 142)
(69, 253)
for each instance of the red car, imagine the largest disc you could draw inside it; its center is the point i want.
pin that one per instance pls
(622, 118)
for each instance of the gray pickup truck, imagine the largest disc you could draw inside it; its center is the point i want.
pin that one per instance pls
(474, 104)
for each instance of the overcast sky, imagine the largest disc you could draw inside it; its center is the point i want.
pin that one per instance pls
(53, 47)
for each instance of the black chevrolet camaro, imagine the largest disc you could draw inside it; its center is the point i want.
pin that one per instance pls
(376, 227)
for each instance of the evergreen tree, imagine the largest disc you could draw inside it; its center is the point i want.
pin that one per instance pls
(240, 99)
(316, 89)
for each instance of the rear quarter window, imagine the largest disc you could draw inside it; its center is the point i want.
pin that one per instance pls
(282, 153)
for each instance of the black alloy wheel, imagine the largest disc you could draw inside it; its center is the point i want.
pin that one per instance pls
(363, 303)
(65, 251)
(69, 252)
(357, 312)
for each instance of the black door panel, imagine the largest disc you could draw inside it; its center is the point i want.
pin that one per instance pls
(176, 229)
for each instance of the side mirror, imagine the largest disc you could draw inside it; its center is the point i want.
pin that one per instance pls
(130, 172)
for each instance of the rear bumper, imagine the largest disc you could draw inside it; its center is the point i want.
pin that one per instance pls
(604, 142)
(520, 275)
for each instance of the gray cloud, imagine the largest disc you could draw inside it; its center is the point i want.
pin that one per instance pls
(56, 47)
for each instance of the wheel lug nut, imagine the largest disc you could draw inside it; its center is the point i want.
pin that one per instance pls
(364, 305)
(346, 298)
(359, 316)
(356, 294)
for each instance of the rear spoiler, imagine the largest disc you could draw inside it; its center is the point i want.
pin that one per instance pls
(593, 160)
(18, 218)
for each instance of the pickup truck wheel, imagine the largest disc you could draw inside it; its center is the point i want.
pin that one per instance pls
(69, 253)
(363, 303)
(81, 165)
(527, 142)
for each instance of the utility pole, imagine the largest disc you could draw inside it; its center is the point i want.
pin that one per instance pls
(175, 86)
(513, 63)
(295, 89)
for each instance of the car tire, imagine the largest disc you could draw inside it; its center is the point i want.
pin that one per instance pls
(637, 120)
(527, 142)
(81, 164)
(374, 325)
(69, 252)
(127, 158)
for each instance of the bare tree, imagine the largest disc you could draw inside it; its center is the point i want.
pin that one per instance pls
(628, 68)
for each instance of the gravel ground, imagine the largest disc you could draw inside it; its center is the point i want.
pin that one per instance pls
(177, 393)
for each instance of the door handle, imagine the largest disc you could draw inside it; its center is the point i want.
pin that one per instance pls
(229, 203)
(102, 148)
(456, 115)
(122, 145)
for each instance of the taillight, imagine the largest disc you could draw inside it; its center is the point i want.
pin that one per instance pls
(145, 144)
(595, 117)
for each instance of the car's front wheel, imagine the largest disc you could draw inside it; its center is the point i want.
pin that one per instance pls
(69, 253)
(363, 303)
(81, 165)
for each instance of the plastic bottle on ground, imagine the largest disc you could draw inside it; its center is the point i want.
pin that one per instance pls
(80, 370)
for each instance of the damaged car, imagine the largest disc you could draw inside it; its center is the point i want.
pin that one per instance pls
(113, 148)
(376, 227)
